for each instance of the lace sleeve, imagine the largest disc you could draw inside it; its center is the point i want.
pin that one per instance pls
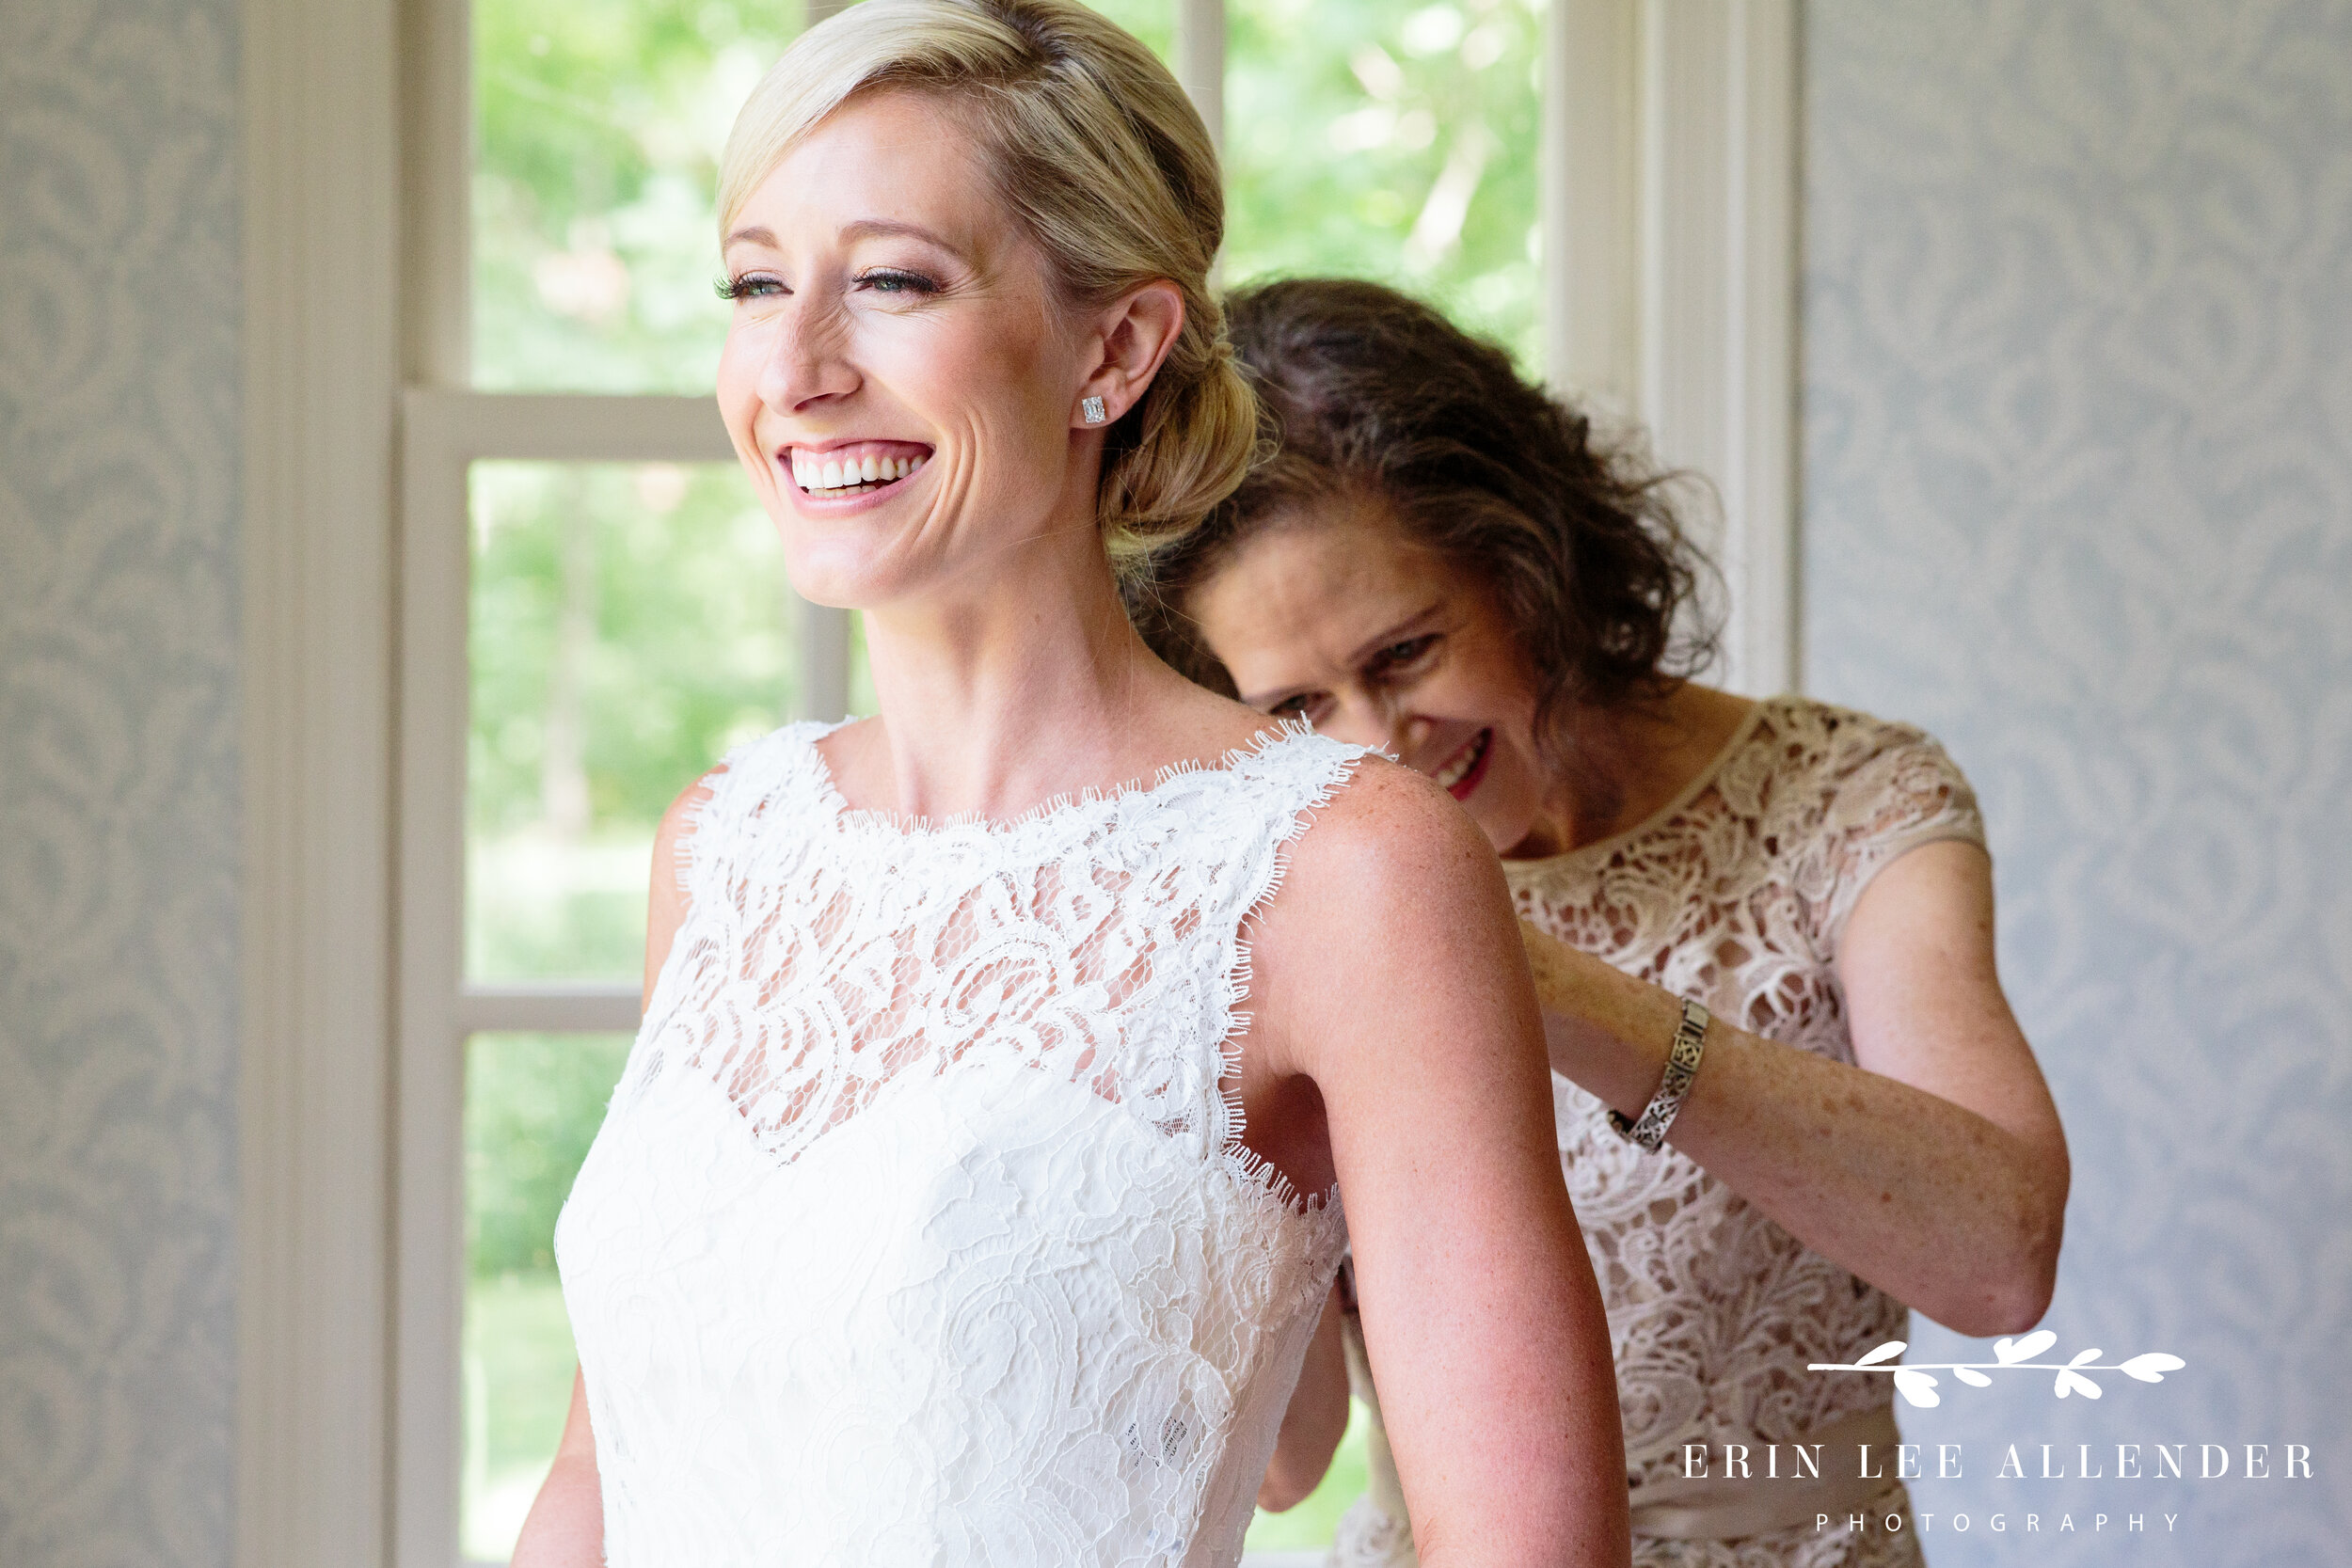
(1902, 790)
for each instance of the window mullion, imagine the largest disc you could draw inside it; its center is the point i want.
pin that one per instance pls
(1201, 61)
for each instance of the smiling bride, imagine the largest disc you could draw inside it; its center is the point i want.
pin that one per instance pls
(972, 1192)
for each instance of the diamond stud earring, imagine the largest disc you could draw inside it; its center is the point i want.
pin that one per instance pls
(1092, 408)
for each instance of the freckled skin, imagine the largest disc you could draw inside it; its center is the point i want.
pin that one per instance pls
(898, 337)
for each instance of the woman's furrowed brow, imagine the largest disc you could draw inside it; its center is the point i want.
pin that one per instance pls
(1410, 625)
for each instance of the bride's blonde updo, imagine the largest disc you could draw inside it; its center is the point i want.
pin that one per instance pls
(1105, 165)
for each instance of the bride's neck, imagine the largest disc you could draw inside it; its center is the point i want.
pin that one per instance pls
(1001, 695)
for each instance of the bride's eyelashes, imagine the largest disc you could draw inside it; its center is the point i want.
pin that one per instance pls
(751, 285)
(897, 281)
(880, 280)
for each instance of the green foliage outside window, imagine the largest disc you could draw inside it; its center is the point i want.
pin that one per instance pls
(1390, 140)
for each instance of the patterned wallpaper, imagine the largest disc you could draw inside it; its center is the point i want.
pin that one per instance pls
(2079, 497)
(119, 303)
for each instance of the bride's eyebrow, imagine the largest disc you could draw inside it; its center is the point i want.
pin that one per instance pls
(862, 229)
(887, 229)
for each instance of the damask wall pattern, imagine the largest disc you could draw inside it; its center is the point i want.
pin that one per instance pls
(119, 306)
(2078, 389)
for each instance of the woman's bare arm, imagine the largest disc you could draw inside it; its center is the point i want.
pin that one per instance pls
(1315, 1421)
(1392, 978)
(1935, 1167)
(565, 1525)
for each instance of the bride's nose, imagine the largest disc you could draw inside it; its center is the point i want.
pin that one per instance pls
(807, 359)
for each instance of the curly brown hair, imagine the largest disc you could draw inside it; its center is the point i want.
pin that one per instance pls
(1366, 391)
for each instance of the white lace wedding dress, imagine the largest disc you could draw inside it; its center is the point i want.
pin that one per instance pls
(1736, 893)
(920, 1230)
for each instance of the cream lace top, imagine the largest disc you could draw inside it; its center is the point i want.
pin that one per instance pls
(1737, 892)
(920, 1232)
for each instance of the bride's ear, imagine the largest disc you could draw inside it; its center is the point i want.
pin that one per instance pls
(1130, 340)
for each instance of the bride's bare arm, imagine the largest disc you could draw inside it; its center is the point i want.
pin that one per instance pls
(1389, 973)
(565, 1528)
(565, 1525)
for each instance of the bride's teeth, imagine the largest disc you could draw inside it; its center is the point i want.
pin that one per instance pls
(816, 475)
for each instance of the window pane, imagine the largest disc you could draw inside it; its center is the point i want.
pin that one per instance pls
(599, 127)
(630, 623)
(533, 1103)
(1151, 20)
(1390, 139)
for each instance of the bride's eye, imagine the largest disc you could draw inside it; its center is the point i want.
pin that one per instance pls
(895, 280)
(752, 285)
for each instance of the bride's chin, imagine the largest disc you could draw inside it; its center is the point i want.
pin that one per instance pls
(839, 573)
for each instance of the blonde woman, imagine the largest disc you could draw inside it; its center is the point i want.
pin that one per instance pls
(967, 1197)
(1441, 560)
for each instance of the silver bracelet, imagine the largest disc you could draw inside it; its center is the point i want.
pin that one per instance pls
(1682, 1065)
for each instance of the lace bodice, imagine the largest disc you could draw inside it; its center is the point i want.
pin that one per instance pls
(1737, 894)
(920, 1229)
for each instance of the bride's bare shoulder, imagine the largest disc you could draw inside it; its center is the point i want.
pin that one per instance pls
(1391, 826)
(1390, 869)
(1393, 929)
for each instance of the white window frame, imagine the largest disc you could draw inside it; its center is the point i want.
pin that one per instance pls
(1668, 193)
(1670, 247)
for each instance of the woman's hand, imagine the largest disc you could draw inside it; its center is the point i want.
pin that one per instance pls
(1315, 1421)
(566, 1526)
(1935, 1167)
(1388, 980)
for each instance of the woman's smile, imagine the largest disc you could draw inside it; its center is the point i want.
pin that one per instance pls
(1463, 770)
(838, 470)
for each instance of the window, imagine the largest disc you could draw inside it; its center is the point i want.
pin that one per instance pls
(591, 605)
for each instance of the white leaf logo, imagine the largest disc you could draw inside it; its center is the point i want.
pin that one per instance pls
(1918, 1388)
(2151, 1367)
(1916, 1385)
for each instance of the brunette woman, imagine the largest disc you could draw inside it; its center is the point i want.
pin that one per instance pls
(1760, 930)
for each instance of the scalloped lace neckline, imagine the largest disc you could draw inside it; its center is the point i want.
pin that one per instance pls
(1235, 763)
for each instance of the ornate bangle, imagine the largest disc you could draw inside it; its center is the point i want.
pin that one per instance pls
(1682, 1065)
